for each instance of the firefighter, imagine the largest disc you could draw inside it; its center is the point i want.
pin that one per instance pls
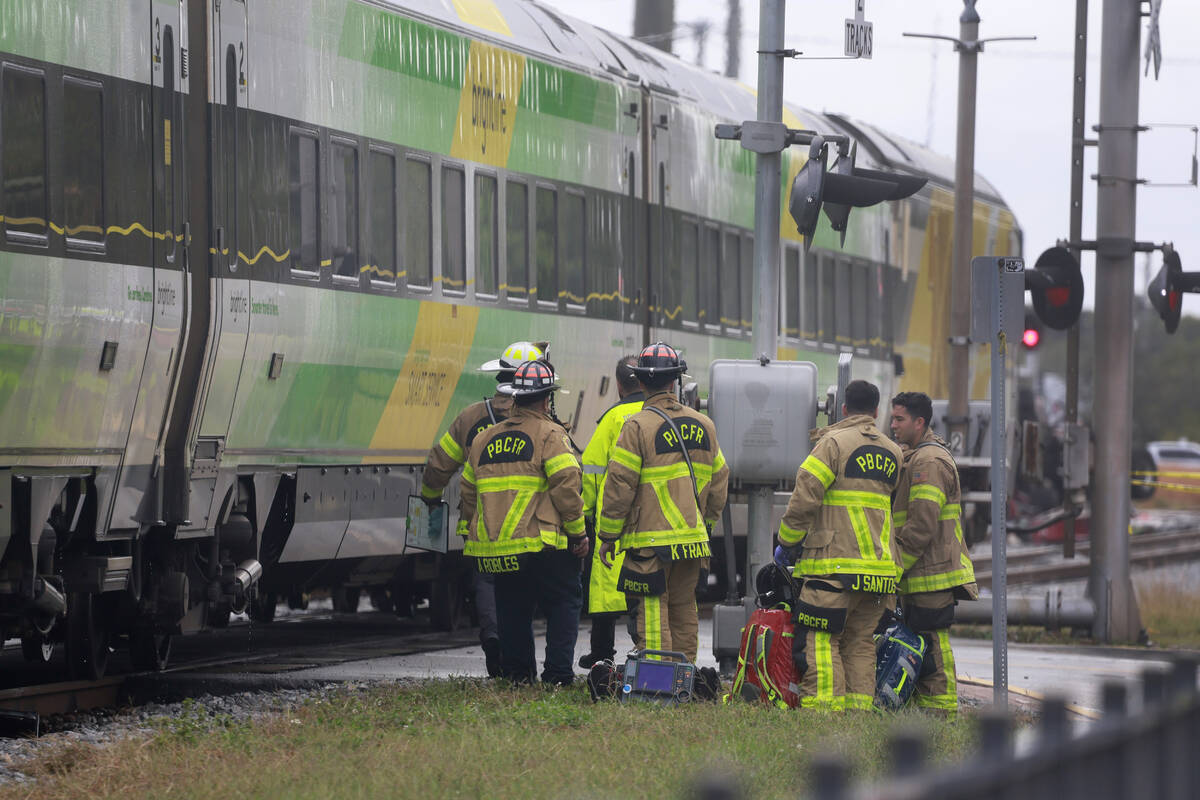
(448, 455)
(521, 494)
(838, 532)
(937, 569)
(666, 484)
(605, 602)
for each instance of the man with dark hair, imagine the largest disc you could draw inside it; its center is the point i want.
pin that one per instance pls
(521, 493)
(667, 482)
(605, 602)
(937, 570)
(838, 532)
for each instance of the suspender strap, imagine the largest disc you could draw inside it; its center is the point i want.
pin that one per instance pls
(687, 458)
(491, 414)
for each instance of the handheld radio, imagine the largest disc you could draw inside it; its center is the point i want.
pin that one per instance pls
(666, 679)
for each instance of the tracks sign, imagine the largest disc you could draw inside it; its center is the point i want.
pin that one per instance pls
(860, 34)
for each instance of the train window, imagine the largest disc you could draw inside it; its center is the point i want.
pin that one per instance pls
(517, 249)
(454, 230)
(730, 281)
(874, 305)
(574, 239)
(381, 238)
(810, 326)
(305, 210)
(670, 300)
(710, 259)
(858, 304)
(487, 235)
(844, 302)
(546, 244)
(343, 191)
(689, 281)
(747, 282)
(791, 282)
(83, 162)
(418, 189)
(889, 285)
(24, 158)
(828, 330)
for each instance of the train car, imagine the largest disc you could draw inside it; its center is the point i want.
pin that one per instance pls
(251, 252)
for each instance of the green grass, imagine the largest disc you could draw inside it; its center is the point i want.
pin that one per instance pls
(470, 738)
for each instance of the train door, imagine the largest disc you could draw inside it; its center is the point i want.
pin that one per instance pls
(230, 304)
(662, 290)
(138, 499)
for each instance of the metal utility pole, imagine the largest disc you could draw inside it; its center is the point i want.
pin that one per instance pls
(766, 253)
(1117, 617)
(654, 23)
(969, 45)
(1078, 143)
(733, 40)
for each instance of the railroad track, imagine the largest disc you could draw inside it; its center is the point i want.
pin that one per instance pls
(1032, 566)
(226, 658)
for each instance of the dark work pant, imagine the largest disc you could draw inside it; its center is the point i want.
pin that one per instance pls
(604, 634)
(484, 586)
(549, 579)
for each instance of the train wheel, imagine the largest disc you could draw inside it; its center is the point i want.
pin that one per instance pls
(37, 648)
(218, 615)
(297, 601)
(345, 599)
(149, 650)
(262, 607)
(381, 600)
(446, 604)
(87, 638)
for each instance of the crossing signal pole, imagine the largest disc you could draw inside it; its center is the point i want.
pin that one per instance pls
(814, 188)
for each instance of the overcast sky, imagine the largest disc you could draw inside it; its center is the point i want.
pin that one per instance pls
(1023, 135)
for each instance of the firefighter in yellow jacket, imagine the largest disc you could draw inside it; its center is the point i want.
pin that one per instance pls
(448, 455)
(605, 602)
(521, 492)
(656, 512)
(838, 531)
(927, 516)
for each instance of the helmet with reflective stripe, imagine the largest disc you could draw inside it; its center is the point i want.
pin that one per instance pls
(659, 360)
(774, 587)
(531, 379)
(515, 355)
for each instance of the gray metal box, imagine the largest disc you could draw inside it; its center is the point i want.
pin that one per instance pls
(763, 415)
(997, 288)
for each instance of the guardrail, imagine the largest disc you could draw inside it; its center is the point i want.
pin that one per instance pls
(1150, 754)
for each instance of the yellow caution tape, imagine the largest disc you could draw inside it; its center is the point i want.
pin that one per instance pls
(1174, 487)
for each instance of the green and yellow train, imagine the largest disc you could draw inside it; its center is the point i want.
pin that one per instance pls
(251, 252)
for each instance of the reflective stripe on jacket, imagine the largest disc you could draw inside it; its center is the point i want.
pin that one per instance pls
(927, 515)
(602, 586)
(521, 487)
(840, 509)
(648, 498)
(450, 452)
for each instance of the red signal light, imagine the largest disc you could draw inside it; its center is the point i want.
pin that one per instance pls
(1058, 296)
(1031, 338)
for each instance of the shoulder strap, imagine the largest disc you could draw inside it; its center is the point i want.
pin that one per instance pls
(491, 414)
(687, 458)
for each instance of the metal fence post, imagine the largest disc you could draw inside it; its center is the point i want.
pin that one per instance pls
(830, 778)
(1054, 729)
(995, 736)
(908, 753)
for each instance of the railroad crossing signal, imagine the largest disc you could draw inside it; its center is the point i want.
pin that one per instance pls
(840, 189)
(1167, 288)
(1055, 285)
